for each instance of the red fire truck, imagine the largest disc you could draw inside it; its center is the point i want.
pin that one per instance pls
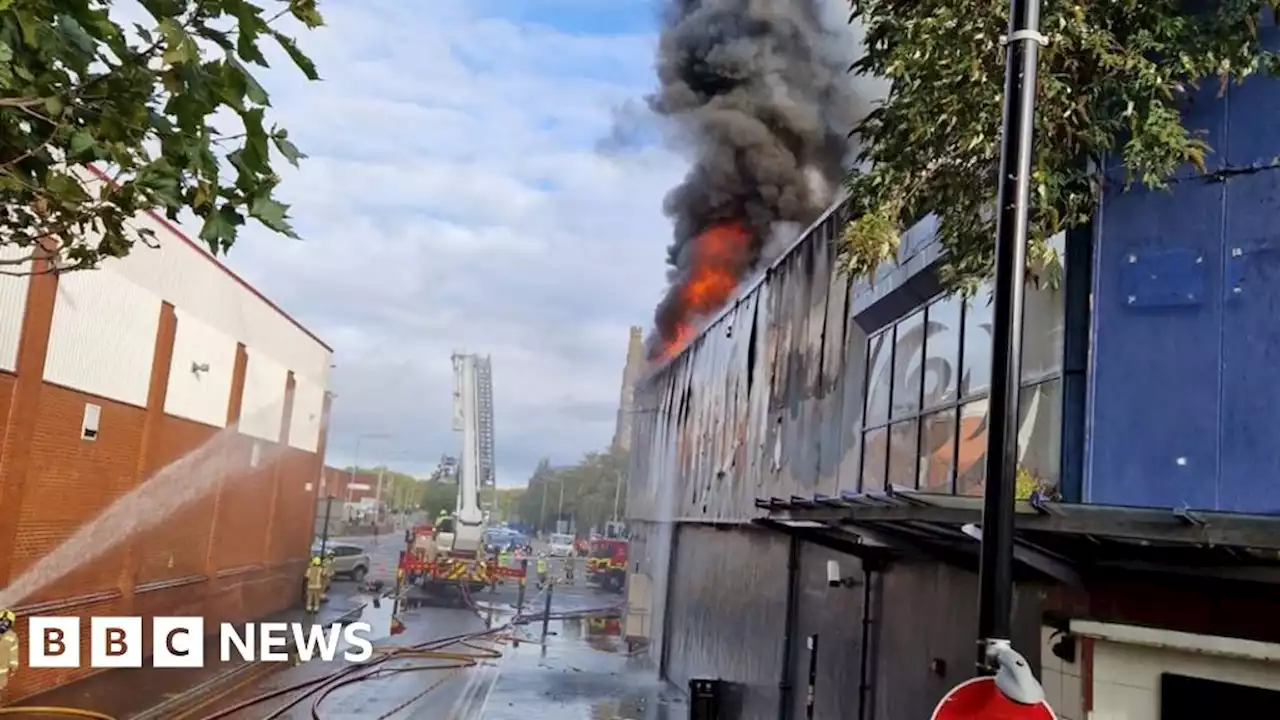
(607, 563)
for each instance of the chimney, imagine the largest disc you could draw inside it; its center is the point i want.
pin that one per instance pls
(626, 402)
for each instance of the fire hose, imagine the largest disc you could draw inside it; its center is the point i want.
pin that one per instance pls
(440, 653)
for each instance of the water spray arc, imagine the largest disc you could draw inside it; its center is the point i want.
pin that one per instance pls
(173, 487)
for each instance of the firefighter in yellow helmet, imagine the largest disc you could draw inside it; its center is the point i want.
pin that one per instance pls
(328, 574)
(8, 647)
(315, 584)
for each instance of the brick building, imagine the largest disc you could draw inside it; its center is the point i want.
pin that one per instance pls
(346, 487)
(106, 378)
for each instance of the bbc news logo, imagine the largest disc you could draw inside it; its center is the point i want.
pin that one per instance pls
(179, 642)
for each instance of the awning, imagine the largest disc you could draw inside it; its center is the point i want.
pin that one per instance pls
(1059, 540)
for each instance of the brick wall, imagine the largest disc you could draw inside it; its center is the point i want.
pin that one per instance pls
(234, 552)
(336, 481)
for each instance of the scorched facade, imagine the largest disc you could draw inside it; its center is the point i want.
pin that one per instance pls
(817, 419)
(108, 376)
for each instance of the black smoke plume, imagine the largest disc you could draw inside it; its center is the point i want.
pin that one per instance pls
(759, 91)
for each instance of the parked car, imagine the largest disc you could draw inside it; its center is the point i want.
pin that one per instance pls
(560, 545)
(349, 561)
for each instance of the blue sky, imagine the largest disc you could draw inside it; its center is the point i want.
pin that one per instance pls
(454, 198)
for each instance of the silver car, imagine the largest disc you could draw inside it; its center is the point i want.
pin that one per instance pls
(348, 560)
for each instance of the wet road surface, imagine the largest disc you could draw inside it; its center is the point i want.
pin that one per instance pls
(583, 672)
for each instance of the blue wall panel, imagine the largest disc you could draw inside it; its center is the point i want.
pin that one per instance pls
(1184, 406)
(1154, 434)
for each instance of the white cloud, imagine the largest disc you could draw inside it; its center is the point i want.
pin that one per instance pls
(452, 201)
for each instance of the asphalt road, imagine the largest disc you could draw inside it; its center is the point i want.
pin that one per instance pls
(581, 671)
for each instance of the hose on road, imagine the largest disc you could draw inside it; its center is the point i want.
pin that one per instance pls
(442, 654)
(56, 712)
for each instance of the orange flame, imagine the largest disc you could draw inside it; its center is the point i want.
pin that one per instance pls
(714, 273)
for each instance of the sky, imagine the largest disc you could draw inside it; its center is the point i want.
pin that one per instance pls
(456, 197)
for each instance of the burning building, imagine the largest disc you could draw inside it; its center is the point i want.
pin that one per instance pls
(807, 473)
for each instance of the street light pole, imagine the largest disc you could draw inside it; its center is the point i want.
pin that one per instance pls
(542, 516)
(995, 582)
(560, 507)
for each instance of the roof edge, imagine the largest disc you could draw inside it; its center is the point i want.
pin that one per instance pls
(164, 222)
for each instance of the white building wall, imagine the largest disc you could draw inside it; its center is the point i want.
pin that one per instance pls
(103, 336)
(188, 277)
(1126, 676)
(13, 306)
(200, 396)
(262, 412)
(308, 409)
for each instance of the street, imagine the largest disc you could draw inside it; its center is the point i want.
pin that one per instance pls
(583, 670)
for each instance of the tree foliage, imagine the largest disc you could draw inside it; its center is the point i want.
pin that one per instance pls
(590, 488)
(1113, 80)
(83, 86)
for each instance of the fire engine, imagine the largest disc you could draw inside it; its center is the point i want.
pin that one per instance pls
(607, 563)
(457, 539)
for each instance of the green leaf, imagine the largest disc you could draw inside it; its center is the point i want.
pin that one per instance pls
(82, 146)
(74, 33)
(219, 229)
(299, 58)
(307, 12)
(272, 214)
(287, 148)
(180, 48)
(253, 90)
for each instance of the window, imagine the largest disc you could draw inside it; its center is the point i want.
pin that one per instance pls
(1042, 325)
(875, 452)
(879, 362)
(1040, 435)
(971, 459)
(975, 374)
(908, 365)
(942, 352)
(925, 418)
(938, 451)
(903, 446)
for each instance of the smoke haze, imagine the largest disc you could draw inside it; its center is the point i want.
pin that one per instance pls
(759, 90)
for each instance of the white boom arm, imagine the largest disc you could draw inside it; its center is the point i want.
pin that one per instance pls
(469, 520)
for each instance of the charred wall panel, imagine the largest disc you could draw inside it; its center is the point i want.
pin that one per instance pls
(929, 613)
(762, 404)
(728, 624)
(835, 615)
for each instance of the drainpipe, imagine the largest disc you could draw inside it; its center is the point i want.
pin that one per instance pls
(789, 629)
(866, 679)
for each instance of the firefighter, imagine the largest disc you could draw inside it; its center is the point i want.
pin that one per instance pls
(8, 647)
(542, 569)
(570, 564)
(328, 575)
(315, 584)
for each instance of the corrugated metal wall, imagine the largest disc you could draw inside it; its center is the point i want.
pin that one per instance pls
(13, 304)
(765, 403)
(264, 396)
(103, 336)
(835, 616)
(201, 395)
(729, 625)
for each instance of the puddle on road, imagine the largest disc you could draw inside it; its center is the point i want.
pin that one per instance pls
(584, 672)
(378, 614)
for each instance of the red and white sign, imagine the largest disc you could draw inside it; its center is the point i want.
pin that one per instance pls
(980, 699)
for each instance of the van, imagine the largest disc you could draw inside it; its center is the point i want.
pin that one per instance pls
(561, 545)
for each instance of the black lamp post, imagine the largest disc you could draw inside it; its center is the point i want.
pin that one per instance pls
(995, 581)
